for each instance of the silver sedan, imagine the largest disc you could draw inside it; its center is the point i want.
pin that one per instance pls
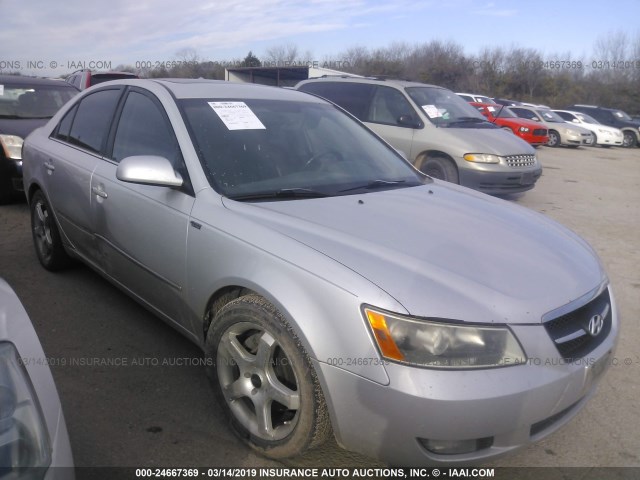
(334, 289)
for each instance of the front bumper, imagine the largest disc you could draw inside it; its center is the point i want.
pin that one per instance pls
(11, 171)
(498, 179)
(507, 408)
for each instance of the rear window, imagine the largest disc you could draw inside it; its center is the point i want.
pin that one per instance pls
(97, 78)
(33, 101)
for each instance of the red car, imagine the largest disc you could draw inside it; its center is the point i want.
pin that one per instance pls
(530, 131)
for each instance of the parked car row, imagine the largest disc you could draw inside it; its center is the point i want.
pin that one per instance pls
(441, 134)
(335, 289)
(608, 126)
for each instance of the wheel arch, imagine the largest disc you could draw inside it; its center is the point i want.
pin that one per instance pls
(424, 155)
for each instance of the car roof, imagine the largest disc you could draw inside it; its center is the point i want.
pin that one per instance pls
(184, 88)
(18, 80)
(572, 112)
(369, 80)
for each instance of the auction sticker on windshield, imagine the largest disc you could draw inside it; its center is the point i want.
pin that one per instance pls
(237, 115)
(432, 111)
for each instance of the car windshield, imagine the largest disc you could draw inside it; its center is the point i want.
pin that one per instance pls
(33, 101)
(549, 116)
(446, 109)
(586, 118)
(500, 111)
(483, 99)
(276, 150)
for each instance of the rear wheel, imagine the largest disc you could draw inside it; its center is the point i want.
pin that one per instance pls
(46, 237)
(554, 139)
(441, 168)
(264, 379)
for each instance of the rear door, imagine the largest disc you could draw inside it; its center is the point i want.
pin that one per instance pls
(80, 138)
(142, 230)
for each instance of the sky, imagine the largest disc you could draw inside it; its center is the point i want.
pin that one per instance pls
(52, 38)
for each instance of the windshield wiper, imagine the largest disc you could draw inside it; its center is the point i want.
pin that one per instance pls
(469, 120)
(282, 193)
(374, 185)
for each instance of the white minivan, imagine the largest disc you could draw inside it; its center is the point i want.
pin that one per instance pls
(440, 133)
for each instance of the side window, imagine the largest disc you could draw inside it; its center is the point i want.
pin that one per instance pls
(92, 120)
(353, 97)
(388, 105)
(566, 116)
(64, 127)
(144, 130)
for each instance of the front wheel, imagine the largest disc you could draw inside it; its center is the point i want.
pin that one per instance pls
(629, 139)
(440, 168)
(554, 139)
(46, 237)
(264, 379)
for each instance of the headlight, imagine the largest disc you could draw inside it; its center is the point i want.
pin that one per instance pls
(24, 441)
(12, 146)
(524, 129)
(571, 133)
(428, 343)
(481, 158)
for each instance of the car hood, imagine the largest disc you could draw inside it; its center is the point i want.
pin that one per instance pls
(495, 141)
(442, 250)
(21, 126)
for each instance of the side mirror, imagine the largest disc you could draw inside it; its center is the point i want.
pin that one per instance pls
(408, 121)
(575, 120)
(148, 170)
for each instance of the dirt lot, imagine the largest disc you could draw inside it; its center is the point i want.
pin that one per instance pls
(150, 414)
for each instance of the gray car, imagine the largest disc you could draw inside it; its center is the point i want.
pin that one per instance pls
(442, 135)
(334, 289)
(34, 442)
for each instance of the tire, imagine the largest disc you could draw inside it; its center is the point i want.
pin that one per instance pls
(441, 168)
(46, 237)
(594, 141)
(554, 139)
(257, 364)
(629, 139)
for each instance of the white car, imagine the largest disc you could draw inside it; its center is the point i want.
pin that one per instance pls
(474, 97)
(602, 134)
(33, 433)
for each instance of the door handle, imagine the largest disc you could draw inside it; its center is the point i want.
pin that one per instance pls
(99, 191)
(49, 165)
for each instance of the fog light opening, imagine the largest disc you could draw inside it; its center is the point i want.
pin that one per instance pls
(455, 447)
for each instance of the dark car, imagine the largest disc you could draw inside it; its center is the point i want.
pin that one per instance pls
(82, 79)
(26, 103)
(614, 118)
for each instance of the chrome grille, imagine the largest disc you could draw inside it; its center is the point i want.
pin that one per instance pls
(520, 160)
(570, 332)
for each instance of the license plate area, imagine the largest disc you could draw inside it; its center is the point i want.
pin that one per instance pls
(527, 178)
